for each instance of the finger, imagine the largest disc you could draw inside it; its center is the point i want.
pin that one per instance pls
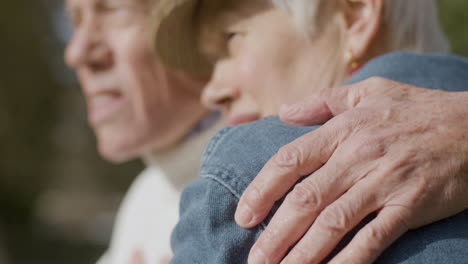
(303, 156)
(309, 197)
(312, 111)
(334, 223)
(295, 215)
(375, 237)
(316, 110)
(331, 102)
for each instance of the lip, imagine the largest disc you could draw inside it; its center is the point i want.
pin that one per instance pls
(103, 105)
(242, 119)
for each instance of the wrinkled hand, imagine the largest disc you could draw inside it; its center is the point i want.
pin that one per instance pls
(389, 148)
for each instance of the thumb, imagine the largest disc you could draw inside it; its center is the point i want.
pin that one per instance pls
(318, 109)
(311, 111)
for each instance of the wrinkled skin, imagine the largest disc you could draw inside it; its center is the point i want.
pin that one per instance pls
(135, 105)
(390, 148)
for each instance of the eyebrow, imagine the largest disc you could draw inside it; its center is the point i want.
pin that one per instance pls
(70, 3)
(211, 36)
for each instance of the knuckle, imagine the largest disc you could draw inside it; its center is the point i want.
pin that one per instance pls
(288, 156)
(374, 84)
(306, 196)
(370, 145)
(358, 118)
(254, 196)
(334, 221)
(400, 169)
(373, 237)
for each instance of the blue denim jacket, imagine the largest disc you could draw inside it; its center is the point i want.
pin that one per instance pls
(207, 232)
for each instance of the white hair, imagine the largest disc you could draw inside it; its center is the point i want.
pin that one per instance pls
(412, 25)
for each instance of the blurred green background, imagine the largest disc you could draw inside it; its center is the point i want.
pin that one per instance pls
(57, 196)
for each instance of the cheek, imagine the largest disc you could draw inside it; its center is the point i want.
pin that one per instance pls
(137, 55)
(139, 78)
(133, 48)
(252, 76)
(262, 74)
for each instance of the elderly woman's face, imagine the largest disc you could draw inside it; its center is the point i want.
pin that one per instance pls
(262, 59)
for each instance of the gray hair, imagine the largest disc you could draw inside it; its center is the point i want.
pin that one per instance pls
(412, 25)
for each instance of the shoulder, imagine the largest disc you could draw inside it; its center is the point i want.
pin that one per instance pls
(434, 71)
(236, 154)
(232, 159)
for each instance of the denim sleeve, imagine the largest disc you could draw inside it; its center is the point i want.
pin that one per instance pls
(435, 71)
(206, 232)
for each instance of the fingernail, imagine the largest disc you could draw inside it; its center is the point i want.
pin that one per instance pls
(244, 215)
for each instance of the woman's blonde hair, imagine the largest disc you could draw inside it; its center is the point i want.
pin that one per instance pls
(411, 25)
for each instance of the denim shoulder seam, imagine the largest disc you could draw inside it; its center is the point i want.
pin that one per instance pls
(236, 194)
(214, 142)
(218, 139)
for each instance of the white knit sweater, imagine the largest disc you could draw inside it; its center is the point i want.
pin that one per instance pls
(150, 209)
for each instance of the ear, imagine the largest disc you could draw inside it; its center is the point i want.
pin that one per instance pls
(364, 19)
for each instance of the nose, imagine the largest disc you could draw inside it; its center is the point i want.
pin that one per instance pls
(88, 48)
(218, 94)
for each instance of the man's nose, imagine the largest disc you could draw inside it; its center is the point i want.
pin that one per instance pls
(88, 48)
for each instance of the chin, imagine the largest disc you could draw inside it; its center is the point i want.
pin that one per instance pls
(116, 156)
(117, 149)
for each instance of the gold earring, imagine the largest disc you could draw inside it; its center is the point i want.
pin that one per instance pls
(353, 64)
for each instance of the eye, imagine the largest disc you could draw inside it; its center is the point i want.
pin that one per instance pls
(110, 7)
(113, 9)
(232, 39)
(231, 35)
(118, 13)
(227, 43)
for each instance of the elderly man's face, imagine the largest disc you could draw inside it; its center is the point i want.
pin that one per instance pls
(134, 104)
(262, 58)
